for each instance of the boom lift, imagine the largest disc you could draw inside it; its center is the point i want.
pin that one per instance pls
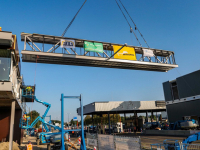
(171, 144)
(28, 94)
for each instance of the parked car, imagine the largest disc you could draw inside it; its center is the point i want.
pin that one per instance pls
(152, 126)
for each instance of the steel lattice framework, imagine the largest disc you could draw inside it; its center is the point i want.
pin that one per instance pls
(46, 49)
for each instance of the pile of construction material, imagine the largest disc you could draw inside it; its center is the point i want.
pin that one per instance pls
(5, 146)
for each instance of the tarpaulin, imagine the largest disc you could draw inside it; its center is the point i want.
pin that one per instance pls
(93, 47)
(124, 53)
(147, 52)
(67, 43)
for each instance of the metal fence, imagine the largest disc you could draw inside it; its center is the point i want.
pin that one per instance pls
(113, 142)
(106, 142)
(127, 143)
(91, 140)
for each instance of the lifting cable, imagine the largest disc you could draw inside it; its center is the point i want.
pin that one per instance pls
(73, 19)
(34, 85)
(131, 30)
(136, 28)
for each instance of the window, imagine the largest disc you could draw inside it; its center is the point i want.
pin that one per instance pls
(174, 90)
(5, 59)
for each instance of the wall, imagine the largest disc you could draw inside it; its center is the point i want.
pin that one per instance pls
(5, 124)
(167, 91)
(189, 85)
(177, 111)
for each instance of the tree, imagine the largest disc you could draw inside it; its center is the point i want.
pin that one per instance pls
(88, 120)
(33, 115)
(72, 122)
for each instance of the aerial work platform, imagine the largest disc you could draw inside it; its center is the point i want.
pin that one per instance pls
(48, 50)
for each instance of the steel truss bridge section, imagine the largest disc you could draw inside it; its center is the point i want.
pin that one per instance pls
(48, 51)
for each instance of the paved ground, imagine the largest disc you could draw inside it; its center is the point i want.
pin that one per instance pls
(146, 140)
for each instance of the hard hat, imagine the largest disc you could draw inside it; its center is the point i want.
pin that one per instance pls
(29, 142)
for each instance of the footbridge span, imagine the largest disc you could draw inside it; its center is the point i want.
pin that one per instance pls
(46, 49)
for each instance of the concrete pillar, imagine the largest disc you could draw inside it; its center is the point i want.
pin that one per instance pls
(92, 123)
(146, 116)
(12, 118)
(125, 120)
(113, 122)
(156, 117)
(109, 123)
(135, 114)
(135, 119)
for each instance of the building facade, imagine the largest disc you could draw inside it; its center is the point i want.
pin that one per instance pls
(182, 97)
(10, 89)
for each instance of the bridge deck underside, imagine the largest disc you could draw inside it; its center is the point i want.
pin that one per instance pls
(69, 59)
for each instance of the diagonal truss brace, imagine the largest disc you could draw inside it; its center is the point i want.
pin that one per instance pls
(116, 52)
(33, 43)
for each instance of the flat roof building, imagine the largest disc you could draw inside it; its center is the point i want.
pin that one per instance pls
(121, 107)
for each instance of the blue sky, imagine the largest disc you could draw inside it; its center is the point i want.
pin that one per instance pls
(168, 25)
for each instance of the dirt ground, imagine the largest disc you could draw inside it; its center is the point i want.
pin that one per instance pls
(43, 146)
(5, 146)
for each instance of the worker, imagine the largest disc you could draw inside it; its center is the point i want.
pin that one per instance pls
(28, 89)
(29, 146)
(135, 129)
(24, 116)
(0, 29)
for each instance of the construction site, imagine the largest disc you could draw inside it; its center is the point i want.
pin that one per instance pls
(86, 78)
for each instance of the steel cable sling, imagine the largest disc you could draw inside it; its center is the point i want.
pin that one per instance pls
(134, 23)
(71, 22)
(131, 30)
(73, 19)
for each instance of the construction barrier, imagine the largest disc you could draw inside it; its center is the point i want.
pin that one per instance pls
(91, 140)
(79, 141)
(106, 142)
(112, 142)
(72, 145)
(129, 143)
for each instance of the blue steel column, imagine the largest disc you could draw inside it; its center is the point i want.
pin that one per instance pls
(62, 121)
(83, 146)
